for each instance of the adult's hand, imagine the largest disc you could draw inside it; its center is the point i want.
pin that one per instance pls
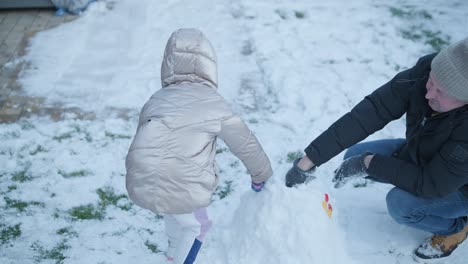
(353, 167)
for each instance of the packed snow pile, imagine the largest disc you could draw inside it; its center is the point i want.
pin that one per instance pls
(284, 226)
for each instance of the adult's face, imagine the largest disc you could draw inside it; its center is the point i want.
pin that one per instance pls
(438, 99)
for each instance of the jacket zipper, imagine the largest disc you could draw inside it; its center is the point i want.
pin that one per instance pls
(423, 122)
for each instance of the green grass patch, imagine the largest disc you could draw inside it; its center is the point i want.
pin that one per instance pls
(108, 197)
(38, 149)
(221, 150)
(292, 156)
(75, 130)
(115, 136)
(67, 231)
(120, 233)
(398, 12)
(21, 176)
(63, 136)
(19, 205)
(435, 39)
(56, 253)
(419, 33)
(409, 13)
(87, 212)
(8, 233)
(223, 191)
(152, 247)
(9, 189)
(299, 14)
(253, 121)
(74, 174)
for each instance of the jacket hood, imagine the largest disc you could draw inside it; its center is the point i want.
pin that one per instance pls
(189, 57)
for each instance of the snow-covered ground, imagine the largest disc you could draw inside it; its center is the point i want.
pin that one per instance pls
(289, 68)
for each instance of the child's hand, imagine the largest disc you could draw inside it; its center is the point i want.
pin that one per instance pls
(257, 187)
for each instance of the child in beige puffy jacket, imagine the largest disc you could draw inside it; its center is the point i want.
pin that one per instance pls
(171, 163)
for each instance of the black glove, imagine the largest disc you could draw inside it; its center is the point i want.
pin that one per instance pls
(296, 175)
(353, 167)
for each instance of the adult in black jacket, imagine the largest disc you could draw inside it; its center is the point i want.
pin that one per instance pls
(429, 167)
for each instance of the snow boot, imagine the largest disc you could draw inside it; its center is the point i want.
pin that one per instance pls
(438, 248)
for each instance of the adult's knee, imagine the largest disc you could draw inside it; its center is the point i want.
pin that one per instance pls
(399, 206)
(392, 204)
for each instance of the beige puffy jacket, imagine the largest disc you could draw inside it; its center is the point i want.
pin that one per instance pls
(171, 162)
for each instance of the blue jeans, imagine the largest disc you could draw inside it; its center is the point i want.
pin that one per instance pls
(440, 216)
(384, 147)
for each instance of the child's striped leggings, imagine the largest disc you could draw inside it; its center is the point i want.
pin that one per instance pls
(186, 233)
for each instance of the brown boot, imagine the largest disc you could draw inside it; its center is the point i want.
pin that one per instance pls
(438, 247)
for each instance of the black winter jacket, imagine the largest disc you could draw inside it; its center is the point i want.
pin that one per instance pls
(434, 160)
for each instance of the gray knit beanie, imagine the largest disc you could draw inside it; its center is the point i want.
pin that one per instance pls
(450, 69)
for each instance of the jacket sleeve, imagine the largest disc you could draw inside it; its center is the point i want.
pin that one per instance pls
(243, 143)
(445, 173)
(387, 103)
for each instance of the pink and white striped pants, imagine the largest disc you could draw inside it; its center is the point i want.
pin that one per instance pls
(182, 230)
